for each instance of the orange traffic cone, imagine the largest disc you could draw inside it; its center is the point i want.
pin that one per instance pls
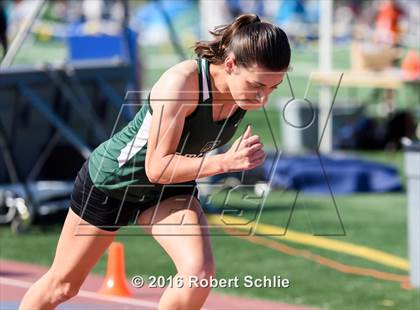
(115, 282)
(411, 66)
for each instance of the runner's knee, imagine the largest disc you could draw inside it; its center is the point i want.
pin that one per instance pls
(62, 287)
(200, 268)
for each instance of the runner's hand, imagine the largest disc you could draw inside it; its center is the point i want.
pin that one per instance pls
(245, 153)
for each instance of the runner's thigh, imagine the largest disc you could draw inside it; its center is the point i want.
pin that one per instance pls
(79, 248)
(179, 225)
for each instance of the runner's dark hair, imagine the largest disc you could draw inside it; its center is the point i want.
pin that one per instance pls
(251, 41)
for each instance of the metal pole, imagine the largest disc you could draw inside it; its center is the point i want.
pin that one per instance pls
(412, 171)
(22, 33)
(325, 65)
(212, 14)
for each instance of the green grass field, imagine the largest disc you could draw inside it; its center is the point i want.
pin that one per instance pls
(372, 220)
(311, 283)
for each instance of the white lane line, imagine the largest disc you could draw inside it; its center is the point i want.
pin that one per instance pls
(87, 294)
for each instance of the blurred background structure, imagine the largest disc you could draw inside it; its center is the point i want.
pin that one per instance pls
(336, 126)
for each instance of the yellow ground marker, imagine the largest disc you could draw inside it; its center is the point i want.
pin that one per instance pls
(316, 241)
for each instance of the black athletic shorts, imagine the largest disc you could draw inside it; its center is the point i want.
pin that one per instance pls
(103, 211)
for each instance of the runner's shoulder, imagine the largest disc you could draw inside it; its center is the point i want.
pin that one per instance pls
(180, 84)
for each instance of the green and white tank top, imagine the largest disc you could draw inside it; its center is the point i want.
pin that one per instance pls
(117, 166)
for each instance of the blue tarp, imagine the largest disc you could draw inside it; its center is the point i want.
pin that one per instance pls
(344, 175)
(100, 46)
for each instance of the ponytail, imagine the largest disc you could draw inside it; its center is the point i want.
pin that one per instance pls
(250, 40)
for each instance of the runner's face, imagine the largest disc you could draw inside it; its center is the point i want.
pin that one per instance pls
(250, 87)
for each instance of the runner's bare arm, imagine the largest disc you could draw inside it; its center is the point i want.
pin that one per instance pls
(172, 98)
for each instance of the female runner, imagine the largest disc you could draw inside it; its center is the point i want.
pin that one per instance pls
(146, 172)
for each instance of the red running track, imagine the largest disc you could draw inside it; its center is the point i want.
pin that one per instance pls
(15, 278)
